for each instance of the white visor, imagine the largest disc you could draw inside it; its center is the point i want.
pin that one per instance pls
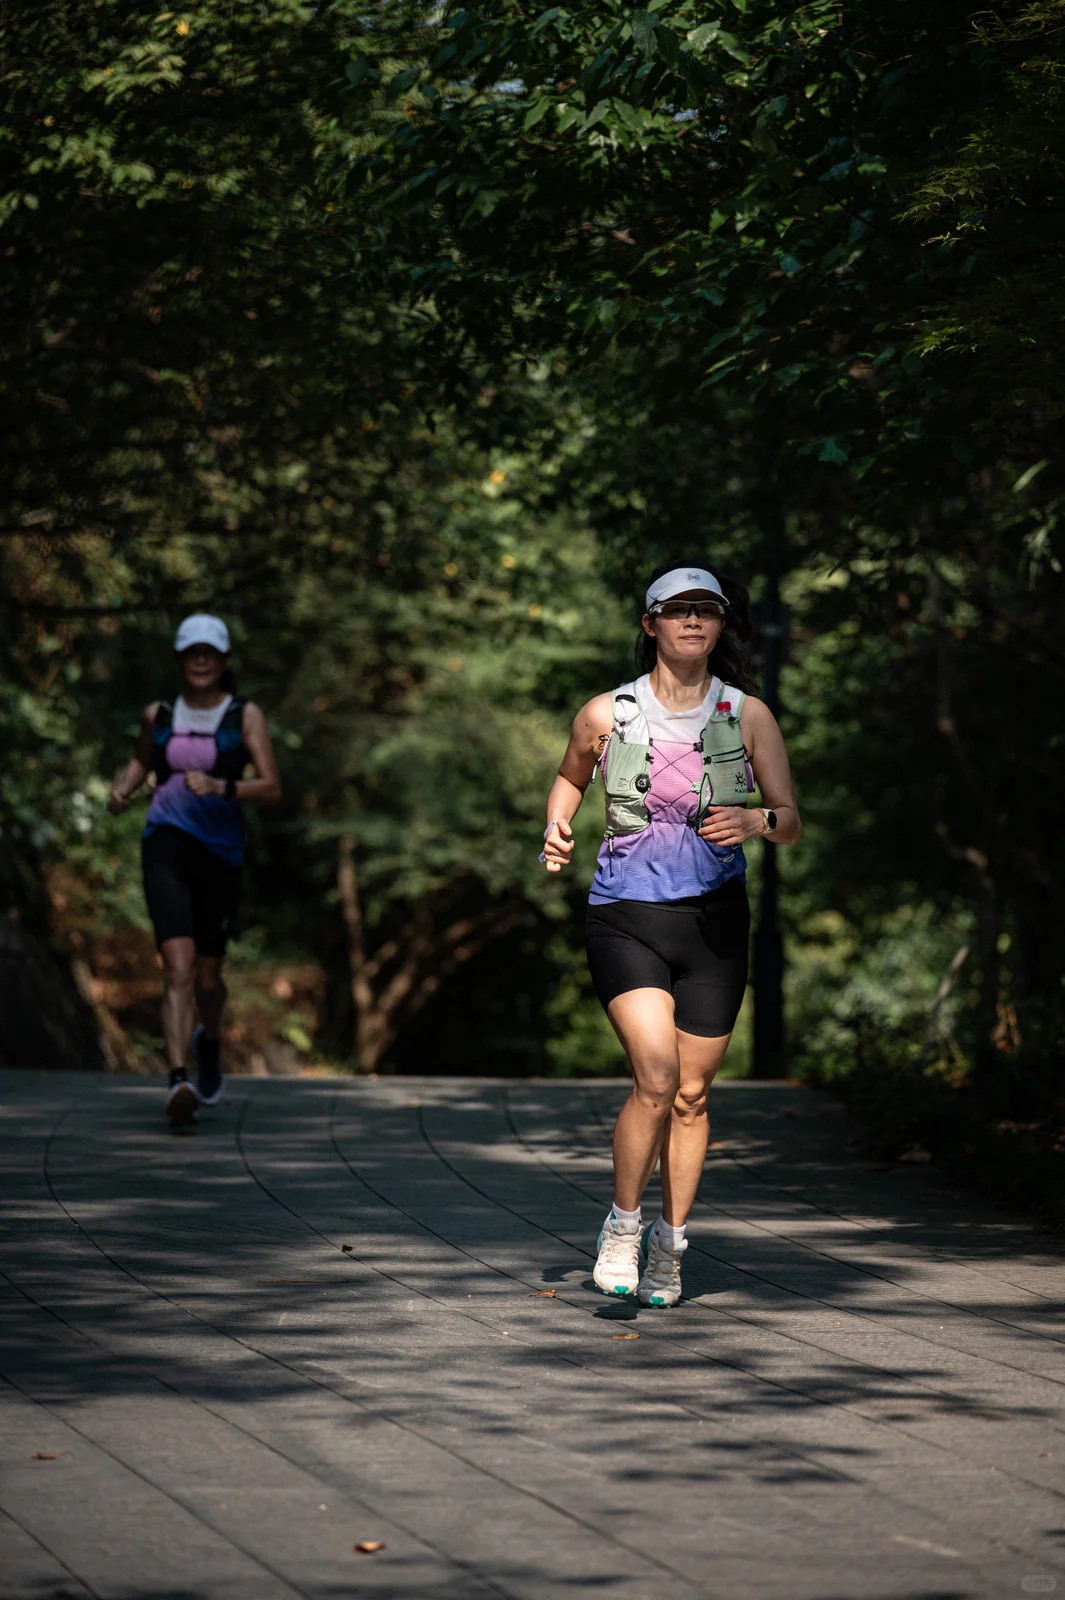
(202, 629)
(681, 581)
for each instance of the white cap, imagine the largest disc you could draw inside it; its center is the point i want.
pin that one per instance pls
(680, 581)
(202, 629)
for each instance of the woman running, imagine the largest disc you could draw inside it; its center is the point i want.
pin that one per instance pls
(668, 920)
(193, 847)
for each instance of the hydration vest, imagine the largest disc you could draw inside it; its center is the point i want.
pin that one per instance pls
(627, 776)
(233, 755)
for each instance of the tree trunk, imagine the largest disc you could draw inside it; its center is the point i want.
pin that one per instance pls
(981, 822)
(389, 988)
(115, 1044)
(369, 1041)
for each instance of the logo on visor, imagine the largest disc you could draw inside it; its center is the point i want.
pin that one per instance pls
(694, 576)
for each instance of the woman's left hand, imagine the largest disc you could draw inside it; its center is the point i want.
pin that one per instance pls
(731, 825)
(203, 783)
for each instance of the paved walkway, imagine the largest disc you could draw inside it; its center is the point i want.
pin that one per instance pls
(363, 1311)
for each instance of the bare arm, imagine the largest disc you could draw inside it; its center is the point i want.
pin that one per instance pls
(265, 788)
(587, 740)
(136, 770)
(731, 825)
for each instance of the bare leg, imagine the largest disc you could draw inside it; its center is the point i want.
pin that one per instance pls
(643, 1021)
(210, 994)
(179, 999)
(688, 1129)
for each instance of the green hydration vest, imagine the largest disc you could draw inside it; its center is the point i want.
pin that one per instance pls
(627, 776)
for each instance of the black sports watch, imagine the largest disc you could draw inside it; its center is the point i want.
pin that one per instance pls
(231, 788)
(770, 820)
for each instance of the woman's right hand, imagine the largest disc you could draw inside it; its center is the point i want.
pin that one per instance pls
(558, 846)
(117, 802)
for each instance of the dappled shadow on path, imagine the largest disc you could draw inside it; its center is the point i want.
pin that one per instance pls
(335, 1294)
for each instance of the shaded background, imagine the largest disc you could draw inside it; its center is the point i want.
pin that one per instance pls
(410, 342)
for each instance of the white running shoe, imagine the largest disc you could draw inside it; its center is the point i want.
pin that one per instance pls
(660, 1284)
(617, 1268)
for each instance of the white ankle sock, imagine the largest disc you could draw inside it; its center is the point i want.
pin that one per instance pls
(625, 1221)
(671, 1237)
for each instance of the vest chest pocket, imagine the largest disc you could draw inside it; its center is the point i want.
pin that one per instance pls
(627, 781)
(724, 764)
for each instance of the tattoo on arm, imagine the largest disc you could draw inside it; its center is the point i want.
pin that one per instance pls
(601, 743)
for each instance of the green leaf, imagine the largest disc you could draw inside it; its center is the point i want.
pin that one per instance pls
(546, 18)
(1029, 477)
(669, 47)
(831, 451)
(700, 37)
(295, 1033)
(402, 81)
(790, 265)
(735, 49)
(644, 32)
(536, 113)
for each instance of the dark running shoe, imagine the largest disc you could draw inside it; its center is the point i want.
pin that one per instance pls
(210, 1079)
(181, 1101)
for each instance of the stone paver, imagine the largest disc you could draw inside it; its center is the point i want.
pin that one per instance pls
(205, 1396)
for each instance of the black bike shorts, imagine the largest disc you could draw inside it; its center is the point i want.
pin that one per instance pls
(191, 892)
(694, 949)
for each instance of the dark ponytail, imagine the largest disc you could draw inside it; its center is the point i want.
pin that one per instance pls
(729, 659)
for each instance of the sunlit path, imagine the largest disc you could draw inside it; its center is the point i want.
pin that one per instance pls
(351, 1311)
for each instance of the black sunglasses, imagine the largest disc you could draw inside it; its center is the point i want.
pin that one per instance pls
(681, 610)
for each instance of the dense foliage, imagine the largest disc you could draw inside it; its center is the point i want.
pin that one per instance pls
(408, 338)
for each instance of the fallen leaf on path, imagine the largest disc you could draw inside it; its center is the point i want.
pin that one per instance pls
(624, 1335)
(1048, 1455)
(43, 1455)
(915, 1158)
(543, 1294)
(347, 1248)
(368, 1547)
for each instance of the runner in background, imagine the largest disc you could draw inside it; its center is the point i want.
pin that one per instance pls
(198, 746)
(668, 920)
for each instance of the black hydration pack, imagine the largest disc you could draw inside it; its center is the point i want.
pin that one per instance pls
(233, 754)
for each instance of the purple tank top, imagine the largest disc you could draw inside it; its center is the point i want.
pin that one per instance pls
(215, 821)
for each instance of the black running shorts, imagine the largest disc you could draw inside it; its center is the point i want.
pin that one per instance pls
(694, 949)
(191, 892)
